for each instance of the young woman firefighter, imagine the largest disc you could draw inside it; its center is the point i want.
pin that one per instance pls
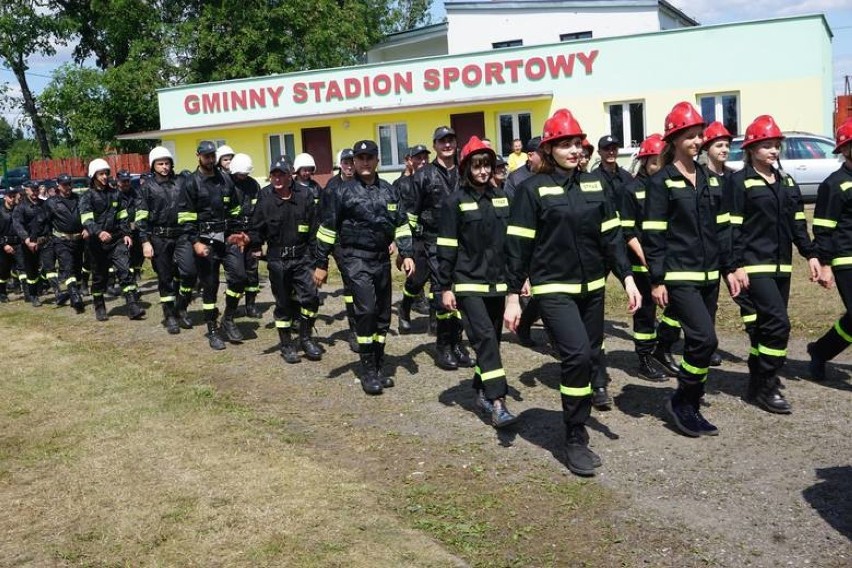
(833, 240)
(564, 235)
(683, 234)
(767, 219)
(471, 271)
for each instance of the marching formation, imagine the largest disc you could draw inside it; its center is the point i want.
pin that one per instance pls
(499, 243)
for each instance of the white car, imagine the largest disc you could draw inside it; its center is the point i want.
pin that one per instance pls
(806, 157)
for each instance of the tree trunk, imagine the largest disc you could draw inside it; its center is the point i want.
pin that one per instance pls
(18, 69)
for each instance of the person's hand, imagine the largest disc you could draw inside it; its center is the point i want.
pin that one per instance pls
(735, 285)
(525, 289)
(147, 250)
(815, 268)
(33, 246)
(660, 295)
(448, 300)
(391, 249)
(512, 313)
(826, 277)
(742, 277)
(408, 267)
(85, 234)
(9, 249)
(634, 296)
(320, 276)
(200, 249)
(128, 241)
(104, 237)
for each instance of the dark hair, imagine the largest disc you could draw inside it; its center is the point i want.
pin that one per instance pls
(478, 159)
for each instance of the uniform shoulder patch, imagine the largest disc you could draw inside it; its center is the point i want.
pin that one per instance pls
(790, 181)
(846, 185)
(591, 186)
(392, 206)
(675, 184)
(550, 190)
(713, 181)
(468, 206)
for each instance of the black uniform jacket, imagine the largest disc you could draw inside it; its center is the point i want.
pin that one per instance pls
(563, 234)
(99, 211)
(614, 183)
(432, 184)
(283, 223)
(28, 220)
(7, 229)
(470, 242)
(833, 219)
(206, 205)
(63, 214)
(766, 221)
(364, 218)
(685, 228)
(631, 210)
(157, 204)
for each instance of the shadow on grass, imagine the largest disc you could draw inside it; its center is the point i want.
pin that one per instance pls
(831, 497)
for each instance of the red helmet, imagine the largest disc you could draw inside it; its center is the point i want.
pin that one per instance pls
(475, 146)
(561, 125)
(714, 131)
(682, 116)
(651, 146)
(844, 135)
(762, 128)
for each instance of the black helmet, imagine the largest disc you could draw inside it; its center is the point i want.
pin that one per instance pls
(206, 147)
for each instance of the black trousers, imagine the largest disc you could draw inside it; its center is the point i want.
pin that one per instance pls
(69, 255)
(104, 256)
(482, 317)
(165, 266)
(252, 262)
(414, 284)
(694, 307)
(645, 318)
(769, 297)
(575, 324)
(209, 267)
(292, 283)
(47, 258)
(7, 263)
(368, 277)
(31, 263)
(839, 337)
(135, 253)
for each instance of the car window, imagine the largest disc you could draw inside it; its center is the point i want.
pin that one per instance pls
(736, 153)
(807, 149)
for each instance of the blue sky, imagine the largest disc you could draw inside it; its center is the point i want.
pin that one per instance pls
(837, 12)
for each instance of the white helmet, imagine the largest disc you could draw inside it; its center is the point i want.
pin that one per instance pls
(97, 165)
(304, 161)
(159, 153)
(223, 150)
(241, 164)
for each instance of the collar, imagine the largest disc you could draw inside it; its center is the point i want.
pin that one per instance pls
(477, 195)
(564, 177)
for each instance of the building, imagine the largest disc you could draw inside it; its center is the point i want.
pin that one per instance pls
(619, 84)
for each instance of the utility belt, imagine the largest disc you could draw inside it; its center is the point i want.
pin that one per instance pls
(363, 253)
(10, 240)
(212, 227)
(166, 232)
(68, 236)
(43, 240)
(290, 252)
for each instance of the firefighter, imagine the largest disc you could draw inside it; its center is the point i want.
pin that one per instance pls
(206, 207)
(108, 241)
(29, 224)
(588, 152)
(63, 215)
(767, 219)
(564, 235)
(833, 239)
(500, 173)
(157, 221)
(644, 320)
(285, 219)
(345, 167)
(248, 191)
(9, 241)
(416, 157)
(224, 155)
(432, 184)
(305, 166)
(471, 271)
(128, 206)
(684, 248)
(613, 177)
(364, 217)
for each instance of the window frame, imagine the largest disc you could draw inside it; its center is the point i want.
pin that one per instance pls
(516, 131)
(283, 143)
(397, 161)
(574, 36)
(507, 43)
(719, 107)
(627, 123)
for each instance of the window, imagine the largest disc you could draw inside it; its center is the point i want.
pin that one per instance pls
(511, 126)
(219, 142)
(796, 148)
(722, 107)
(281, 144)
(393, 144)
(510, 43)
(627, 122)
(575, 35)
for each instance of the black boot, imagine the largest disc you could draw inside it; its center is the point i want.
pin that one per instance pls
(230, 328)
(213, 337)
(421, 305)
(664, 357)
(816, 365)
(306, 341)
(84, 285)
(57, 291)
(404, 314)
(433, 323)
(76, 298)
(601, 399)
(134, 310)
(461, 354)
(769, 396)
(683, 413)
(648, 369)
(100, 307)
(181, 304)
(444, 357)
(287, 347)
(379, 357)
(4, 295)
(367, 374)
(63, 297)
(169, 320)
(715, 360)
(34, 299)
(579, 458)
(252, 311)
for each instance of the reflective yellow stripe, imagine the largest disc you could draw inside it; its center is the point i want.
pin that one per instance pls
(87, 217)
(763, 349)
(500, 202)
(723, 218)
(378, 338)
(233, 293)
(235, 211)
(447, 242)
(281, 324)
(655, 225)
(841, 332)
(824, 223)
(165, 299)
(576, 391)
(303, 228)
(468, 287)
(187, 217)
(640, 195)
(749, 183)
(693, 276)
(644, 336)
(208, 306)
(308, 313)
(763, 268)
(753, 351)
(123, 214)
(559, 288)
(392, 206)
(141, 214)
(750, 318)
(502, 287)
(349, 299)
(516, 231)
(495, 374)
(735, 219)
(639, 268)
(693, 369)
(675, 184)
(550, 190)
(402, 231)
(591, 186)
(669, 321)
(611, 224)
(364, 340)
(845, 185)
(842, 261)
(800, 215)
(468, 206)
(413, 219)
(713, 182)
(628, 223)
(326, 235)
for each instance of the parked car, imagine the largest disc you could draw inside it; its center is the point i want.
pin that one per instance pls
(15, 176)
(806, 157)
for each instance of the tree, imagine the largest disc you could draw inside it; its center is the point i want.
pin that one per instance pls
(8, 135)
(26, 29)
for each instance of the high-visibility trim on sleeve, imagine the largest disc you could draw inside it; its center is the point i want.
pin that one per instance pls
(326, 235)
(723, 218)
(842, 261)
(303, 228)
(800, 215)
(829, 223)
(517, 231)
(749, 318)
(141, 215)
(187, 217)
(123, 214)
(842, 332)
(629, 223)
(845, 185)
(655, 225)
(87, 217)
(735, 219)
(402, 231)
(447, 242)
(613, 223)
(639, 268)
(413, 219)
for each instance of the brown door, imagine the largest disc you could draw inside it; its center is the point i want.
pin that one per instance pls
(467, 125)
(317, 143)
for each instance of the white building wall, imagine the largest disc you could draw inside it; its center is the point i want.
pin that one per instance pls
(477, 30)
